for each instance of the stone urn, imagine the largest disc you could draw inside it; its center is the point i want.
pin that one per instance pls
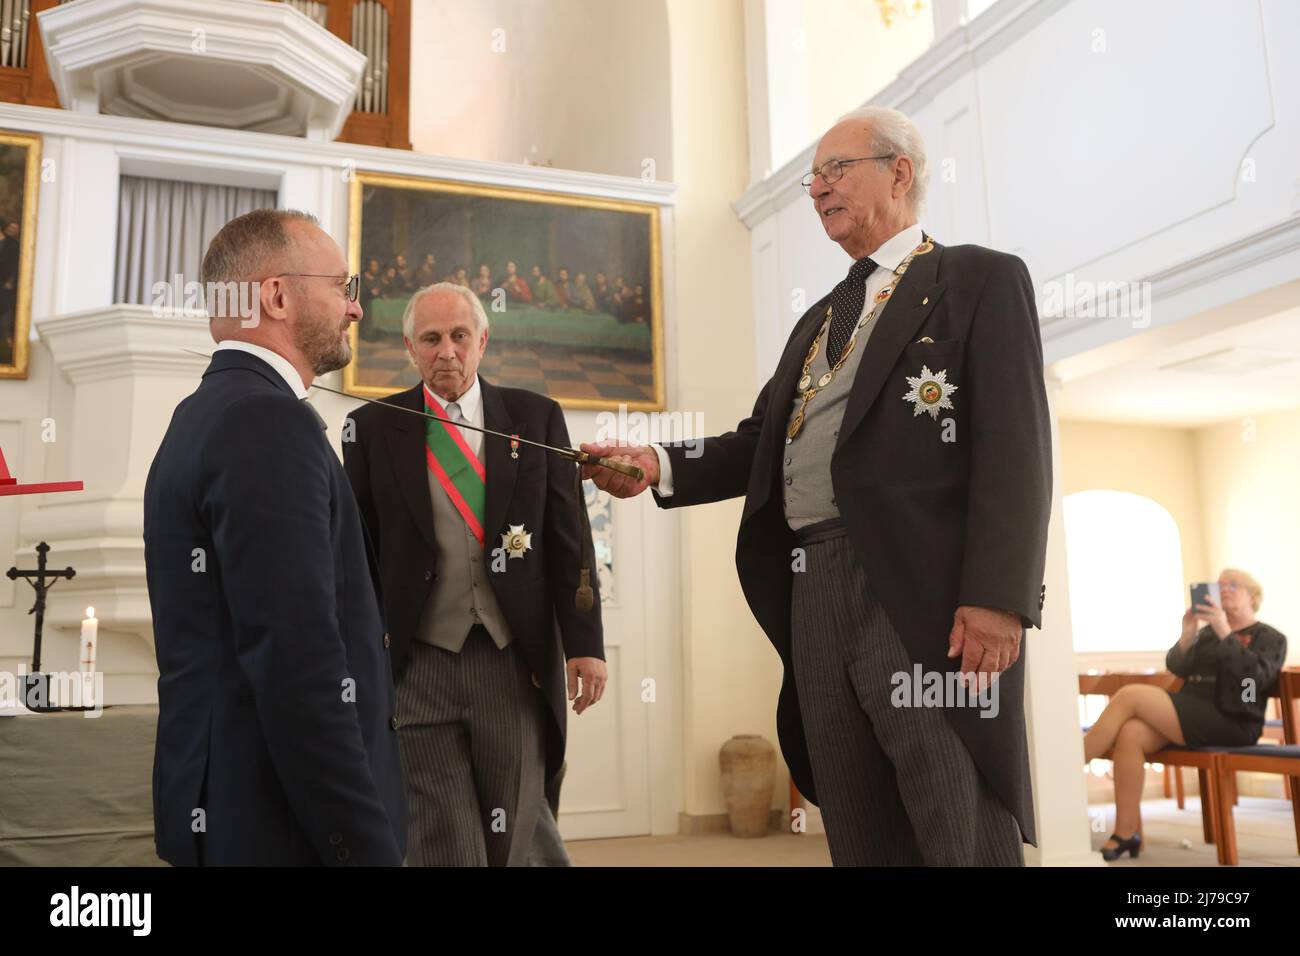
(748, 765)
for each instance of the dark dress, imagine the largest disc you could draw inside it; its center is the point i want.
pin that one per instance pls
(1227, 684)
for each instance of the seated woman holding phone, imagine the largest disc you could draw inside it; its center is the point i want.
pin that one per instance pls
(1229, 667)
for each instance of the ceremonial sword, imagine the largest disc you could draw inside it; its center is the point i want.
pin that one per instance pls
(572, 454)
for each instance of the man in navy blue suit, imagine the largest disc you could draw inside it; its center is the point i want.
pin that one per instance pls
(276, 741)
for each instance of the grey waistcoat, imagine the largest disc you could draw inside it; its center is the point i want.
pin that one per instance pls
(461, 595)
(806, 461)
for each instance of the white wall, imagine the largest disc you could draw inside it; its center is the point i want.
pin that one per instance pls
(852, 55)
(575, 84)
(811, 61)
(1250, 511)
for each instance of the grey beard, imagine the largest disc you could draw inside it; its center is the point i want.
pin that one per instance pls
(332, 361)
(327, 352)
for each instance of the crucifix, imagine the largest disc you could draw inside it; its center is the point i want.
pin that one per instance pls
(41, 581)
(9, 486)
(36, 686)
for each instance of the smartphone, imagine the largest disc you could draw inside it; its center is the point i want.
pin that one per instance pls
(1204, 590)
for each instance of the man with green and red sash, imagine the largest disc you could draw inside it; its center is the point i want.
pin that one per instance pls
(480, 542)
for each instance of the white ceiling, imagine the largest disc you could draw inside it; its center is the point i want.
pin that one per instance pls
(1209, 368)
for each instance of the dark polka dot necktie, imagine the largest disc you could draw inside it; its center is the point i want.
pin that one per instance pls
(847, 300)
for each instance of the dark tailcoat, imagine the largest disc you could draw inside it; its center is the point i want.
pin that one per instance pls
(935, 524)
(386, 463)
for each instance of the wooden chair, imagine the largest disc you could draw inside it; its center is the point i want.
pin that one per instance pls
(1281, 759)
(1273, 730)
(1288, 687)
(1206, 771)
(1108, 685)
(1262, 758)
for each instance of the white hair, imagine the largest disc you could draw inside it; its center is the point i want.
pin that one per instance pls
(476, 307)
(894, 133)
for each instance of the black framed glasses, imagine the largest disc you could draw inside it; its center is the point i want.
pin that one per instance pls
(832, 171)
(353, 281)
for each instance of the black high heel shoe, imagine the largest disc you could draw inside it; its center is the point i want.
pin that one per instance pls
(1131, 846)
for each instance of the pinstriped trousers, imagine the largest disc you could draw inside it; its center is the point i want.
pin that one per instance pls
(896, 784)
(473, 754)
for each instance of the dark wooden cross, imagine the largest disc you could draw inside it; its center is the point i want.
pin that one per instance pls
(41, 581)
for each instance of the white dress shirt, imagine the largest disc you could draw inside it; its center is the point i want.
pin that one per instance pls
(887, 258)
(273, 359)
(470, 404)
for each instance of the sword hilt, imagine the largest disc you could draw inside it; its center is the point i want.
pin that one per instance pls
(632, 471)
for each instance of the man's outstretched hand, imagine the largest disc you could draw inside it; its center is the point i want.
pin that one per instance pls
(619, 485)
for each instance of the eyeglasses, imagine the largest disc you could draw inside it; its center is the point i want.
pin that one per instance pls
(832, 171)
(353, 288)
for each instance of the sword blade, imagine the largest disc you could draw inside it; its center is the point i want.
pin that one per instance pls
(570, 453)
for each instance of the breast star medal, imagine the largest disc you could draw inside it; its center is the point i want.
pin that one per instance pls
(930, 392)
(516, 541)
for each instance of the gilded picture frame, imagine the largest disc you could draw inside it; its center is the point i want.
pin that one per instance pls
(572, 286)
(20, 172)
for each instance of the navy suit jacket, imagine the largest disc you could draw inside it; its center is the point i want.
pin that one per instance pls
(275, 701)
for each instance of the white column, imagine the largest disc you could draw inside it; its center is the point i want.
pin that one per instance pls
(1051, 705)
(127, 372)
(86, 178)
(948, 16)
(776, 66)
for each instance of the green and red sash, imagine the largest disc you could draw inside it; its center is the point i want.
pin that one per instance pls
(455, 466)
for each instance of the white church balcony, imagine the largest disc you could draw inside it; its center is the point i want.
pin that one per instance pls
(237, 64)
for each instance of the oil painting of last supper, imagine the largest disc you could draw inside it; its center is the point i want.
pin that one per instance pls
(571, 286)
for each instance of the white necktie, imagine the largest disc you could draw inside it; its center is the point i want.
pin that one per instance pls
(453, 413)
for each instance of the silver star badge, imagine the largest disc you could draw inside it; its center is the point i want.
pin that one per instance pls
(516, 541)
(930, 392)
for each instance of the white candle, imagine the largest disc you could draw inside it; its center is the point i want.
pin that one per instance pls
(89, 640)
